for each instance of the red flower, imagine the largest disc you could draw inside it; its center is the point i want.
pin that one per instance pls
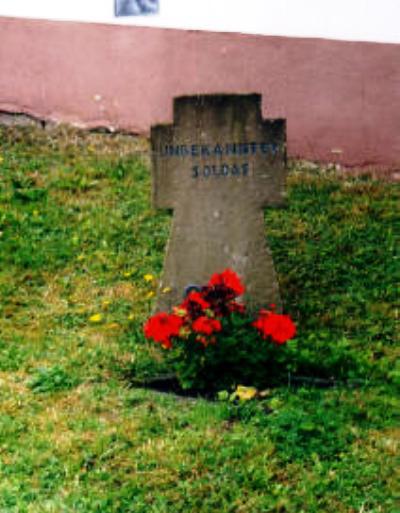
(206, 326)
(194, 305)
(279, 327)
(161, 327)
(228, 279)
(197, 298)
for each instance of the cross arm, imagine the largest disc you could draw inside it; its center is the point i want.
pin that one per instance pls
(272, 173)
(163, 184)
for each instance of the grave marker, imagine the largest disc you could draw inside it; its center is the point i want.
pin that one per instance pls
(217, 167)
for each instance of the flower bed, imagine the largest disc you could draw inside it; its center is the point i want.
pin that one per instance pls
(213, 343)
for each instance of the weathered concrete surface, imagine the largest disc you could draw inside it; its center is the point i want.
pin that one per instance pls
(341, 99)
(20, 119)
(217, 167)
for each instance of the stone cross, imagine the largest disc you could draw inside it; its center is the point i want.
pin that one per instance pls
(217, 167)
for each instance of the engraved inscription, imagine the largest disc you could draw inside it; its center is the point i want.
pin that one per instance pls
(220, 170)
(219, 151)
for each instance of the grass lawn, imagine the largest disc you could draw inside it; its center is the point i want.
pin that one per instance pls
(77, 236)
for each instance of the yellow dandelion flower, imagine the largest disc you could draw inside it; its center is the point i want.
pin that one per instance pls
(166, 290)
(148, 277)
(150, 294)
(96, 318)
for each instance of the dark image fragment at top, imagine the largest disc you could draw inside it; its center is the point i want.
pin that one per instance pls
(135, 7)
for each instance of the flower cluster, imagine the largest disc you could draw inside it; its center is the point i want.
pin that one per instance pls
(201, 314)
(279, 327)
(162, 327)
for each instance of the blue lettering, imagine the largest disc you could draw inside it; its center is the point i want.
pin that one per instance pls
(205, 150)
(218, 150)
(235, 170)
(171, 150)
(243, 149)
(225, 170)
(230, 149)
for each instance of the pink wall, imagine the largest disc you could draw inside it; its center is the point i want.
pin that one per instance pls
(335, 95)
